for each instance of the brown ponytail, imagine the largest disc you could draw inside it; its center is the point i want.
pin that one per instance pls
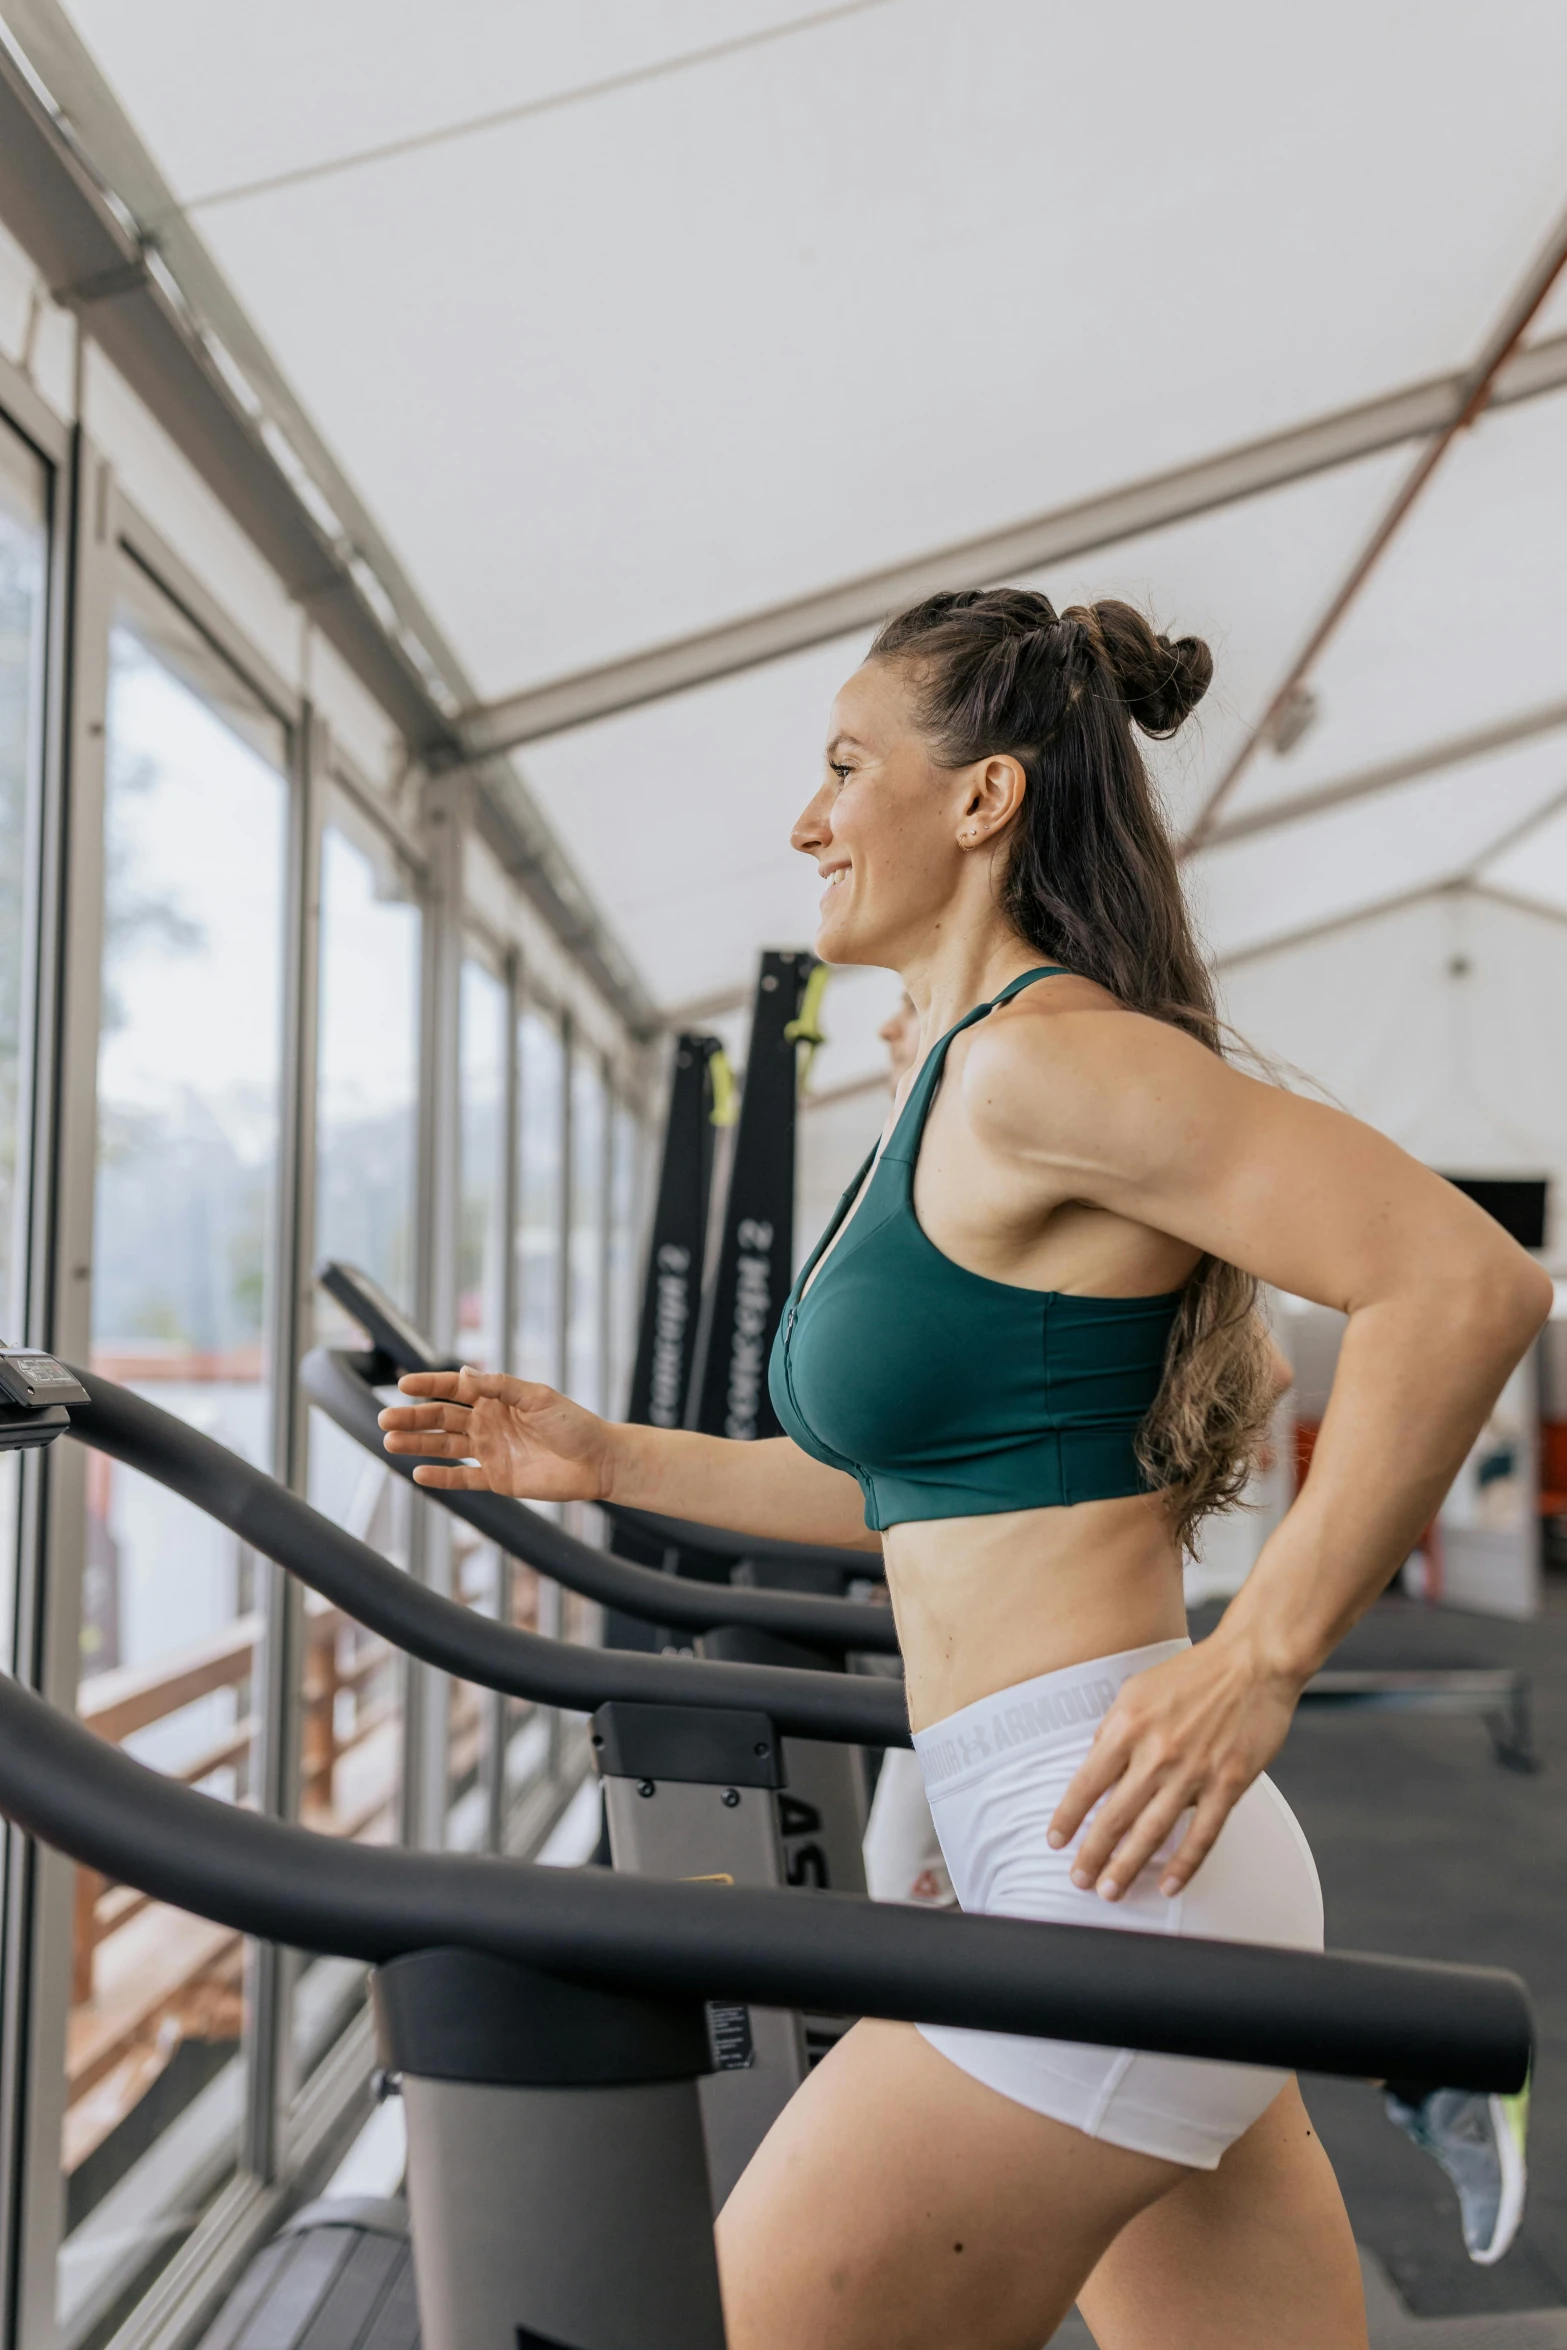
(1091, 883)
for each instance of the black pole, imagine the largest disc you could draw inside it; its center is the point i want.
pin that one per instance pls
(701, 1089)
(756, 1253)
(672, 1290)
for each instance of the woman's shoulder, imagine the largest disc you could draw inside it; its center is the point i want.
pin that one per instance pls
(1074, 1069)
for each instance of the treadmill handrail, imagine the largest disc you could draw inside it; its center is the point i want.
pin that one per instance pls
(722, 1542)
(406, 1348)
(336, 1383)
(850, 1708)
(1368, 2017)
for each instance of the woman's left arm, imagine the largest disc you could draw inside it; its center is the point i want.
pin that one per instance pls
(1441, 1304)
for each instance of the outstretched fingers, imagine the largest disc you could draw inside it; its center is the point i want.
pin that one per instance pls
(464, 1386)
(462, 1479)
(431, 1443)
(450, 1416)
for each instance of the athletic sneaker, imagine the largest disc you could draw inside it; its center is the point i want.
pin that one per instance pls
(1479, 2142)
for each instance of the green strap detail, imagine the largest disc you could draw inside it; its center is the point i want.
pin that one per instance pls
(1026, 979)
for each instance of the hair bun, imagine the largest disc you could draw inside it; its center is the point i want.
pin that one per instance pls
(1161, 679)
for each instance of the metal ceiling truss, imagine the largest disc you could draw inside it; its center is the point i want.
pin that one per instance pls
(162, 312)
(165, 318)
(1249, 471)
(1457, 751)
(1470, 882)
(1480, 382)
(1329, 925)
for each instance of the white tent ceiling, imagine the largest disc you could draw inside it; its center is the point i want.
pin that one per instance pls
(630, 321)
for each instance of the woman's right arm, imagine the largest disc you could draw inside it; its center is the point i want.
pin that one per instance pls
(482, 1432)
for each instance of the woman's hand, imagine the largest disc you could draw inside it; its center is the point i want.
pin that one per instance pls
(527, 1440)
(1188, 1735)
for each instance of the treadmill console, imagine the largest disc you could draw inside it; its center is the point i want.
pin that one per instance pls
(385, 1325)
(36, 1381)
(34, 1393)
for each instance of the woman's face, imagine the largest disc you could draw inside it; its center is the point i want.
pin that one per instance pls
(883, 827)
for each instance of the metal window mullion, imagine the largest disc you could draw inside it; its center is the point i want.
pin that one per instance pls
(551, 1604)
(44, 857)
(427, 1693)
(40, 1884)
(271, 1971)
(498, 1706)
(606, 1227)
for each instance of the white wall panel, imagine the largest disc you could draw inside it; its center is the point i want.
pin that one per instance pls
(1440, 1024)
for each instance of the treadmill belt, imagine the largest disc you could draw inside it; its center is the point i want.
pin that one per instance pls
(339, 2277)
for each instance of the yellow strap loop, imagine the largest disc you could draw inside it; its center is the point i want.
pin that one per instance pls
(806, 1028)
(726, 1094)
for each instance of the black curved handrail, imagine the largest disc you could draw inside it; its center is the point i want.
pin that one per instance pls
(339, 1384)
(395, 1340)
(1460, 2027)
(852, 1708)
(722, 1542)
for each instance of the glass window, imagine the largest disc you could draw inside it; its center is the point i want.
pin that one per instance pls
(531, 1734)
(625, 1152)
(24, 560)
(475, 1717)
(366, 1184)
(368, 1070)
(482, 1238)
(586, 1322)
(189, 1097)
(541, 1104)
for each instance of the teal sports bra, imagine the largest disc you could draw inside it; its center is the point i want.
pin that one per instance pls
(947, 1394)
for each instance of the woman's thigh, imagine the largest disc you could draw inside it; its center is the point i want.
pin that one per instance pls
(1258, 2250)
(898, 2204)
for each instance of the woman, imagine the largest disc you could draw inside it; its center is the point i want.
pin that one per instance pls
(1027, 1359)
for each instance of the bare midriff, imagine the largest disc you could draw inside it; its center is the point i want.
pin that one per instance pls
(984, 1603)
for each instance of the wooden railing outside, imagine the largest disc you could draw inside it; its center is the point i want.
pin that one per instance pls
(146, 1977)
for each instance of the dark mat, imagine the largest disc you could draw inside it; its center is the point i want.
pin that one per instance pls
(339, 2277)
(1428, 1849)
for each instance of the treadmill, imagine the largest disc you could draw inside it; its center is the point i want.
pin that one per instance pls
(546, 2028)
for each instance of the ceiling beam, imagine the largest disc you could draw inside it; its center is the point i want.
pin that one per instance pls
(1459, 885)
(322, 546)
(90, 262)
(1480, 381)
(1067, 531)
(1515, 834)
(1517, 903)
(1331, 924)
(1456, 751)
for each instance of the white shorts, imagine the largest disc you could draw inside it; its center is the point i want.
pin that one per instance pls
(903, 1858)
(994, 1773)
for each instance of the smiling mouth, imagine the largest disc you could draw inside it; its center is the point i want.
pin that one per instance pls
(834, 881)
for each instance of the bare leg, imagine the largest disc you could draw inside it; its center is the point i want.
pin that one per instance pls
(898, 2204)
(1258, 2250)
